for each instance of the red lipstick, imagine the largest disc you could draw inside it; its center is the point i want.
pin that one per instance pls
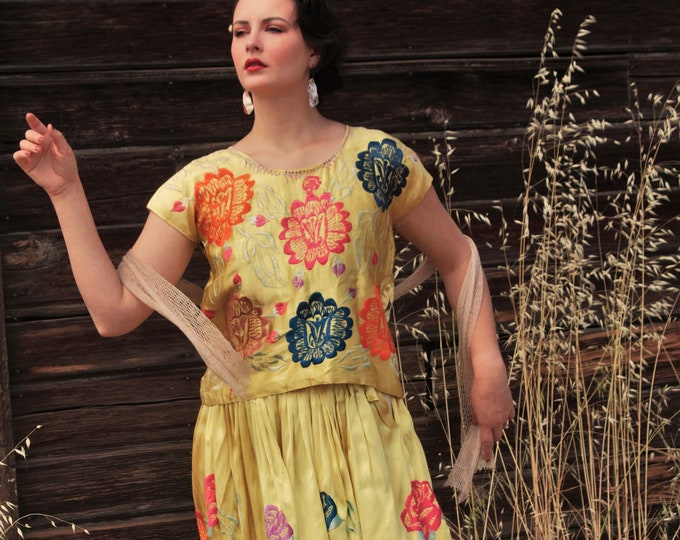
(254, 64)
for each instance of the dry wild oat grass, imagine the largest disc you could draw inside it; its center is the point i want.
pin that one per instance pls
(593, 280)
(9, 523)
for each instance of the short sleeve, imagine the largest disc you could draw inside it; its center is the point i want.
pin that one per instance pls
(391, 172)
(174, 201)
(418, 182)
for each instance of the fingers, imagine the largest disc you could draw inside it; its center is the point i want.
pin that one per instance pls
(29, 145)
(486, 438)
(58, 139)
(35, 123)
(489, 436)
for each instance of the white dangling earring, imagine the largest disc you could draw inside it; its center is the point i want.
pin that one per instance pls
(312, 93)
(248, 106)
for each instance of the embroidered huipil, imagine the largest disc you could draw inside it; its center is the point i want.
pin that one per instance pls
(301, 262)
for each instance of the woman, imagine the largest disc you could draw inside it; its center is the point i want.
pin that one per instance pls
(296, 221)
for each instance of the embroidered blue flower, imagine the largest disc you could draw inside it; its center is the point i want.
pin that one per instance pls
(318, 331)
(382, 172)
(330, 510)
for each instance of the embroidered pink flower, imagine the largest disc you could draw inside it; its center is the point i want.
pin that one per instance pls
(421, 512)
(338, 269)
(281, 307)
(222, 200)
(179, 206)
(208, 313)
(246, 328)
(298, 282)
(237, 279)
(210, 500)
(375, 332)
(315, 229)
(226, 254)
(374, 259)
(273, 337)
(276, 524)
(260, 220)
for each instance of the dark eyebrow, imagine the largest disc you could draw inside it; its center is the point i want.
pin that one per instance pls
(267, 20)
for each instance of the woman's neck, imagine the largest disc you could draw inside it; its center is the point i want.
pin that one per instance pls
(288, 135)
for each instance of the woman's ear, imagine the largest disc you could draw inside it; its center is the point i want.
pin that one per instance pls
(314, 60)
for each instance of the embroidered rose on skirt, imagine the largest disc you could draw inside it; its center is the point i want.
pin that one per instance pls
(422, 512)
(276, 524)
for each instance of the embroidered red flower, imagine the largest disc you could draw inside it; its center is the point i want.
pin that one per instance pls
(375, 331)
(421, 511)
(210, 500)
(246, 328)
(179, 206)
(202, 531)
(221, 202)
(311, 183)
(315, 229)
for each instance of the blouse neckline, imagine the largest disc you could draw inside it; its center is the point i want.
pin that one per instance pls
(295, 172)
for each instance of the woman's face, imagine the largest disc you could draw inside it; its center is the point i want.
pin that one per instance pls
(269, 52)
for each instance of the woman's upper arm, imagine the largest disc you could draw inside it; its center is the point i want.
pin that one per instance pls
(163, 248)
(430, 227)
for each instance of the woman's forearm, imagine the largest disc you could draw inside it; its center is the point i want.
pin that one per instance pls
(112, 308)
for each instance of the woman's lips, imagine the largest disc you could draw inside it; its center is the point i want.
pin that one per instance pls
(254, 65)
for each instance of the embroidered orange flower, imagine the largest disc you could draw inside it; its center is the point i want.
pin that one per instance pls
(202, 531)
(246, 328)
(221, 202)
(375, 332)
(421, 512)
(315, 229)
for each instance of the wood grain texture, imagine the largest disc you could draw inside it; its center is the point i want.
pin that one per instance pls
(142, 87)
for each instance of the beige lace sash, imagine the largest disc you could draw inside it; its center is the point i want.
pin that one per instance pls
(223, 360)
(157, 293)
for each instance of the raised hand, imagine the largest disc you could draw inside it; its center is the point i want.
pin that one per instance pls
(47, 158)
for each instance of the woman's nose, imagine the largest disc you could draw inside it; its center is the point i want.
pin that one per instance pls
(253, 43)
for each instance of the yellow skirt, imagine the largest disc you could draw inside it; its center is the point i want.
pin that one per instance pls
(336, 462)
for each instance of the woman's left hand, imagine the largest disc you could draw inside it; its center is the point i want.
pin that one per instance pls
(492, 407)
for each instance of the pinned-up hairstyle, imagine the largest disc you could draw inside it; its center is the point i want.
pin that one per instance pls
(323, 32)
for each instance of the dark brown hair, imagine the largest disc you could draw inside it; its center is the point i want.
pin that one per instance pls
(323, 32)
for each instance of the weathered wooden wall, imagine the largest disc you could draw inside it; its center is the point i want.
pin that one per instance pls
(140, 87)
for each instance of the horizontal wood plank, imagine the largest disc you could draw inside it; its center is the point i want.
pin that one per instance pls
(131, 482)
(189, 33)
(114, 109)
